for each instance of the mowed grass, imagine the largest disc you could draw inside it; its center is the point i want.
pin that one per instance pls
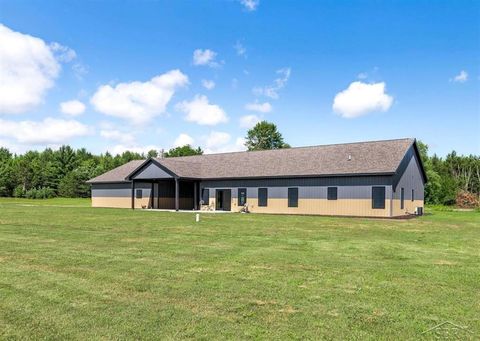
(84, 273)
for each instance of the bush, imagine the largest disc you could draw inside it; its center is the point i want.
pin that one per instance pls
(466, 200)
(18, 192)
(40, 193)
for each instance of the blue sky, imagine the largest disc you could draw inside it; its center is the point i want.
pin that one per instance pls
(323, 71)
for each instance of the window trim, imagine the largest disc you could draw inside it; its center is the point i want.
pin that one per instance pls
(290, 200)
(384, 198)
(336, 193)
(261, 204)
(138, 193)
(238, 196)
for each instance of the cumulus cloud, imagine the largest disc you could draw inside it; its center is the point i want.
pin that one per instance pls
(28, 69)
(117, 135)
(137, 101)
(362, 98)
(205, 57)
(200, 111)
(249, 121)
(48, 131)
(279, 83)
(250, 5)
(223, 144)
(259, 107)
(208, 84)
(120, 149)
(182, 140)
(217, 138)
(462, 77)
(73, 107)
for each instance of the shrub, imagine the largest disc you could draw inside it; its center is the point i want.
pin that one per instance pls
(466, 200)
(19, 192)
(40, 193)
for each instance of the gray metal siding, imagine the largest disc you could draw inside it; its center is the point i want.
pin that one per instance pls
(344, 192)
(304, 182)
(411, 179)
(152, 171)
(117, 190)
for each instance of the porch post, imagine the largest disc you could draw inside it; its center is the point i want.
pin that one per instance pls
(152, 196)
(133, 194)
(195, 196)
(177, 192)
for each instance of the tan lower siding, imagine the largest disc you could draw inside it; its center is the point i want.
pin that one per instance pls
(346, 207)
(342, 207)
(125, 202)
(120, 202)
(409, 207)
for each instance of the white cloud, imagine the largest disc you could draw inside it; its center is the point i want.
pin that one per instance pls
(73, 108)
(361, 98)
(200, 111)
(28, 69)
(205, 57)
(362, 75)
(278, 84)
(462, 77)
(48, 131)
(250, 5)
(227, 147)
(241, 50)
(249, 121)
(217, 138)
(208, 84)
(259, 107)
(182, 140)
(117, 135)
(63, 53)
(119, 149)
(136, 101)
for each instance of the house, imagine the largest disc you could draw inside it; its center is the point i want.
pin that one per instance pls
(374, 179)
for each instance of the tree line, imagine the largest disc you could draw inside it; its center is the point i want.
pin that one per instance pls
(64, 172)
(451, 178)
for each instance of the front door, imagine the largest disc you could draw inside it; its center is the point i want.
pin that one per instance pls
(223, 200)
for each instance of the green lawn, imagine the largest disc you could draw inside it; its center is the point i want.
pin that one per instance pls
(82, 273)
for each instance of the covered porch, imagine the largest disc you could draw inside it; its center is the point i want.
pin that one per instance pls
(153, 186)
(165, 194)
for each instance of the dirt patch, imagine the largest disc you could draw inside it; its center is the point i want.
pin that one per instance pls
(444, 262)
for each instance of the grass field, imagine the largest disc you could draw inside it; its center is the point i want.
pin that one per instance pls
(73, 272)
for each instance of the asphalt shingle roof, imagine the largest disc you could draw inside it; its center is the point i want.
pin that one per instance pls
(375, 157)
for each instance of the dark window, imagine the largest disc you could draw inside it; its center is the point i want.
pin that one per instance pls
(138, 194)
(242, 196)
(378, 197)
(332, 193)
(262, 196)
(413, 195)
(293, 197)
(205, 195)
(402, 199)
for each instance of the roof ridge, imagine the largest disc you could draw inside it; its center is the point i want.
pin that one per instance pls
(279, 149)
